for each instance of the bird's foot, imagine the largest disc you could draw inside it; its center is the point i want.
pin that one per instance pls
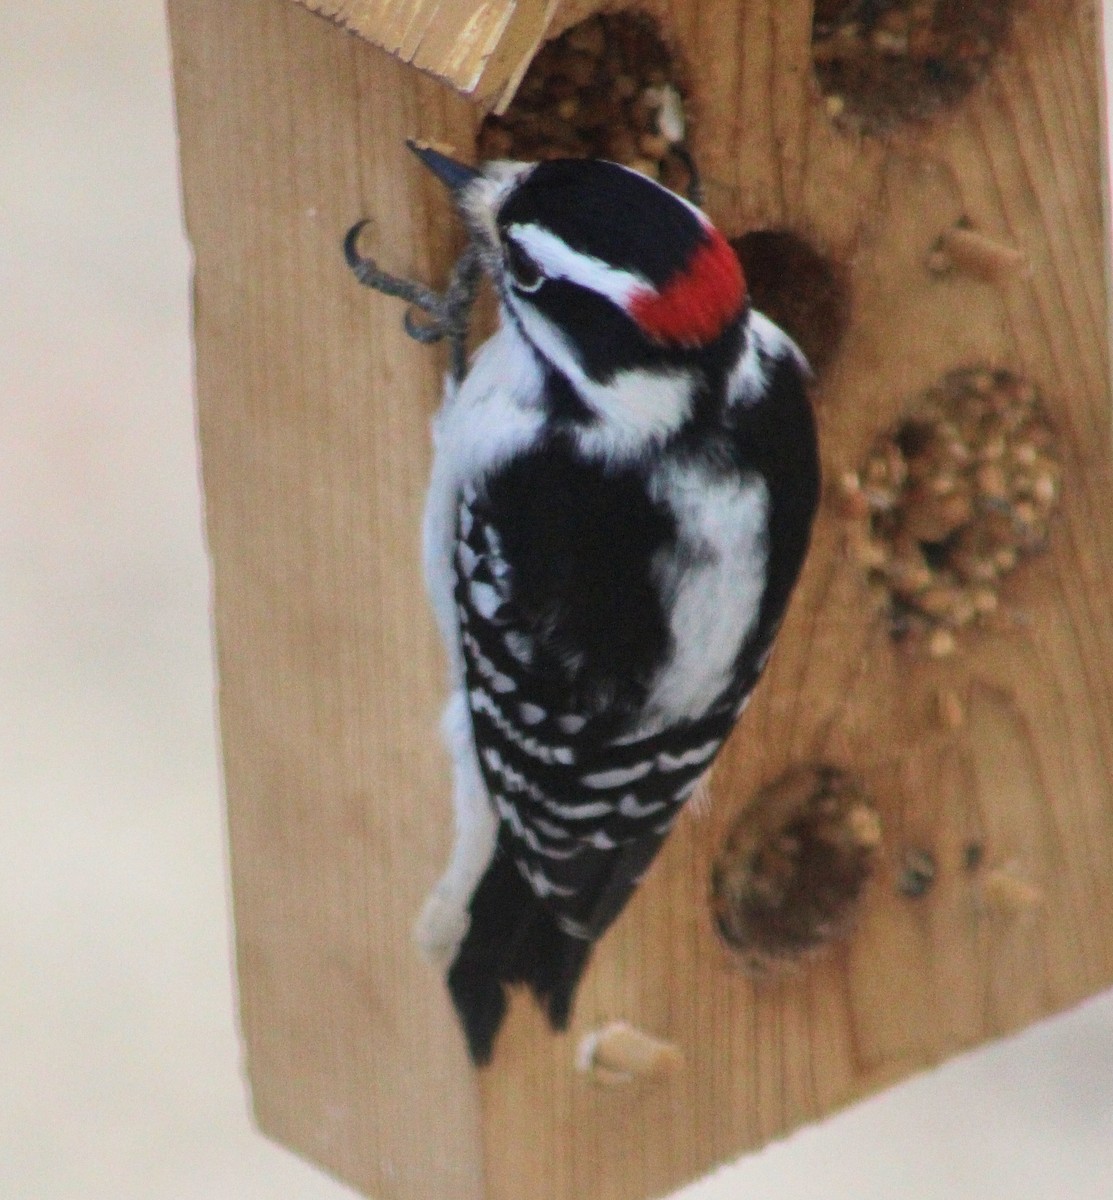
(448, 312)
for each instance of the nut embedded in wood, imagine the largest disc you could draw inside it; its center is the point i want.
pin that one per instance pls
(964, 250)
(792, 868)
(1007, 892)
(619, 1053)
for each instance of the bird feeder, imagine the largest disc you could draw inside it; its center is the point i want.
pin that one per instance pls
(951, 179)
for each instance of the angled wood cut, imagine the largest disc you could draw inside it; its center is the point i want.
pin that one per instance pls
(313, 418)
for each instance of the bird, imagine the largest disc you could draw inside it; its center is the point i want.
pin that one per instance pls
(624, 481)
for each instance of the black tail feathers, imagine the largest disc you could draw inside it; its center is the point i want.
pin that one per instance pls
(513, 939)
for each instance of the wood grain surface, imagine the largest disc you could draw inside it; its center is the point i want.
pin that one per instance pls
(313, 424)
(477, 46)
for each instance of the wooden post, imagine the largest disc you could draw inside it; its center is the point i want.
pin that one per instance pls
(313, 415)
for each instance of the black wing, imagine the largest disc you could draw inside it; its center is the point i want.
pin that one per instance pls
(562, 632)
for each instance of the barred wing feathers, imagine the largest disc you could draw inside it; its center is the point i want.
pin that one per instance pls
(563, 631)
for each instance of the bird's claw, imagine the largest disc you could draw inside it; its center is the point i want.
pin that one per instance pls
(426, 332)
(448, 312)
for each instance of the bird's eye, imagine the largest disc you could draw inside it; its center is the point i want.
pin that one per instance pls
(523, 270)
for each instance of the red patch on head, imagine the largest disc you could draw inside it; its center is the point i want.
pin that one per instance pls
(695, 306)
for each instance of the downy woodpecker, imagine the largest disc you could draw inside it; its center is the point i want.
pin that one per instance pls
(622, 495)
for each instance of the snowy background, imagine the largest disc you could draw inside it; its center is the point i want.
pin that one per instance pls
(119, 1062)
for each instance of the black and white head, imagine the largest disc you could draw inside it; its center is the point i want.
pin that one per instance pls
(617, 283)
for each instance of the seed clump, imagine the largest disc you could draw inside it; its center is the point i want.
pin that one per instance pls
(880, 63)
(608, 88)
(793, 867)
(951, 501)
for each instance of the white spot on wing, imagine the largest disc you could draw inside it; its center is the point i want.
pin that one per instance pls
(466, 521)
(515, 781)
(579, 812)
(549, 829)
(524, 833)
(542, 885)
(481, 702)
(494, 543)
(519, 646)
(630, 806)
(499, 682)
(484, 599)
(510, 815)
(689, 758)
(467, 559)
(531, 714)
(617, 776)
(576, 929)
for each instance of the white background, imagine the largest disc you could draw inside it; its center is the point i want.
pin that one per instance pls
(119, 1062)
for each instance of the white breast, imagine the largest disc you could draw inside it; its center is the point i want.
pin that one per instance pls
(712, 585)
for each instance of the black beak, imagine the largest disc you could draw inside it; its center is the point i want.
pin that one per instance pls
(454, 175)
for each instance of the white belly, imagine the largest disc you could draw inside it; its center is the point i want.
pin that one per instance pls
(712, 587)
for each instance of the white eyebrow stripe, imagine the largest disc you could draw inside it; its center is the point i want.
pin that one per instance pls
(557, 260)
